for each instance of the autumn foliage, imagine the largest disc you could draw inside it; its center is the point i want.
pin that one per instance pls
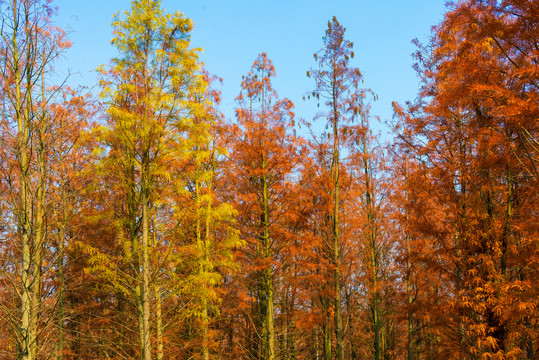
(141, 222)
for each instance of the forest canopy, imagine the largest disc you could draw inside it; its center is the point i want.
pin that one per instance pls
(140, 222)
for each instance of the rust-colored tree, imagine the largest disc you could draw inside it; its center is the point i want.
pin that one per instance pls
(29, 44)
(337, 83)
(263, 157)
(473, 189)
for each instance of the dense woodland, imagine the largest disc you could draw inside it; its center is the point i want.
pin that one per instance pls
(143, 224)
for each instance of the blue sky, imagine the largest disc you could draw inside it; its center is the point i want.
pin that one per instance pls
(232, 33)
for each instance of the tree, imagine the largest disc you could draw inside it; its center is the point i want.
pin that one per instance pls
(338, 85)
(70, 154)
(211, 236)
(29, 46)
(263, 158)
(371, 215)
(473, 135)
(149, 91)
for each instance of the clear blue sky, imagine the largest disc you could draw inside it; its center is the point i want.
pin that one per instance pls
(232, 33)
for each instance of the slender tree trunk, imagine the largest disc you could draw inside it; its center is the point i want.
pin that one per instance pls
(419, 341)
(201, 244)
(25, 342)
(133, 206)
(375, 307)
(205, 330)
(409, 302)
(208, 266)
(60, 309)
(40, 232)
(266, 281)
(40, 225)
(505, 240)
(159, 353)
(352, 346)
(384, 334)
(26, 297)
(270, 317)
(289, 328)
(140, 320)
(315, 353)
(145, 180)
(145, 295)
(327, 340)
(267, 276)
(205, 309)
(61, 227)
(371, 236)
(158, 323)
(409, 297)
(291, 342)
(335, 227)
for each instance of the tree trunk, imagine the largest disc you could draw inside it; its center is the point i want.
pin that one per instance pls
(371, 238)
(40, 221)
(335, 228)
(40, 232)
(133, 206)
(266, 278)
(60, 309)
(410, 344)
(158, 323)
(202, 270)
(145, 294)
(409, 291)
(327, 340)
(24, 215)
(419, 341)
(315, 353)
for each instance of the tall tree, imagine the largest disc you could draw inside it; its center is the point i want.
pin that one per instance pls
(473, 133)
(337, 83)
(371, 215)
(149, 91)
(263, 158)
(29, 46)
(70, 120)
(210, 220)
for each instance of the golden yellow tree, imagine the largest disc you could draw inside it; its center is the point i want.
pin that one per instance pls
(149, 92)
